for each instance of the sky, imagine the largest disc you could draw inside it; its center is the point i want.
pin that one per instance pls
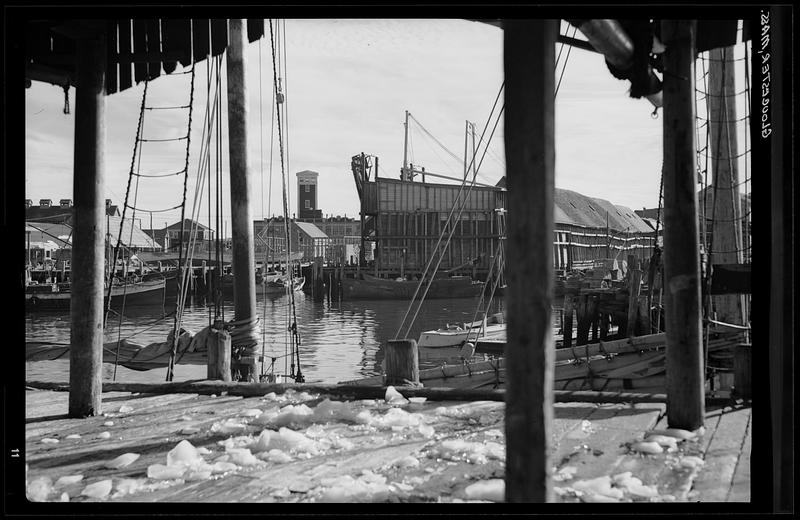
(347, 85)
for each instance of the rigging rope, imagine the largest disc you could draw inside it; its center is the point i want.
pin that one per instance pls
(182, 281)
(295, 337)
(450, 224)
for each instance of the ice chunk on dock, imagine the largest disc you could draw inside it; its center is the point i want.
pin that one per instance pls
(492, 489)
(650, 448)
(126, 459)
(394, 397)
(99, 489)
(38, 489)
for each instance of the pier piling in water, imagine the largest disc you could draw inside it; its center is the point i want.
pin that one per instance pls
(402, 362)
(219, 355)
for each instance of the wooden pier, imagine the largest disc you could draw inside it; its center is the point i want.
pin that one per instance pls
(363, 449)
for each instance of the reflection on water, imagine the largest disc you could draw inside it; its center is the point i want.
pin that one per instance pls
(338, 340)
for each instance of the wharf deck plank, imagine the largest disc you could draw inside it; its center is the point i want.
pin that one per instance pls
(155, 424)
(722, 455)
(598, 447)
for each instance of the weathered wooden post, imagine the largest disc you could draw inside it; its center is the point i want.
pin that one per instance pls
(684, 352)
(86, 309)
(634, 288)
(219, 355)
(243, 255)
(528, 49)
(567, 328)
(402, 362)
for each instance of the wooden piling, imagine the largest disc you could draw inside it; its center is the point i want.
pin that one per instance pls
(584, 322)
(567, 328)
(594, 315)
(634, 288)
(742, 373)
(528, 48)
(402, 362)
(219, 355)
(87, 309)
(684, 352)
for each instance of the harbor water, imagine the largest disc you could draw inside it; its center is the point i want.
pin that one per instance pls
(339, 340)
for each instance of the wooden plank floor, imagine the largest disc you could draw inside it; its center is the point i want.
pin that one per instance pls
(433, 453)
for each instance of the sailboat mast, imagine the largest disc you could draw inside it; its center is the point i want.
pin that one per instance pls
(404, 175)
(466, 141)
(474, 163)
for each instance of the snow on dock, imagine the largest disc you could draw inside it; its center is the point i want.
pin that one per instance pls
(306, 446)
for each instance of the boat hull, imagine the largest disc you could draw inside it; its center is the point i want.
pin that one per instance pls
(140, 294)
(373, 288)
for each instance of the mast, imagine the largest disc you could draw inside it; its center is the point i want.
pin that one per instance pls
(243, 261)
(474, 164)
(466, 141)
(404, 175)
(726, 225)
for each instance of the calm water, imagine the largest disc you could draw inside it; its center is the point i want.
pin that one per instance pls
(339, 340)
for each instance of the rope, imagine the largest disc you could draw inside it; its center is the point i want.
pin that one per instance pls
(438, 243)
(113, 266)
(182, 285)
(564, 67)
(298, 377)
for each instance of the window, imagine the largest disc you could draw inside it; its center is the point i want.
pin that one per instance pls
(307, 204)
(307, 188)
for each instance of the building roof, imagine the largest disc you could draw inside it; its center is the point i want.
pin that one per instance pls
(188, 223)
(58, 233)
(575, 209)
(311, 230)
(132, 236)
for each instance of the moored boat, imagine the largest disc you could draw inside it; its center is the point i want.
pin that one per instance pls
(373, 288)
(133, 293)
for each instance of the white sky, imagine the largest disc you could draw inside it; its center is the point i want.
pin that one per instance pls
(347, 85)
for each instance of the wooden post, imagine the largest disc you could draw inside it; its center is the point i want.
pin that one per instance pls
(727, 245)
(528, 48)
(594, 302)
(567, 328)
(243, 261)
(86, 308)
(742, 373)
(684, 351)
(582, 314)
(402, 363)
(219, 355)
(634, 288)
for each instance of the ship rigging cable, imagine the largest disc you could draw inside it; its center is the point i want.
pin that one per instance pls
(448, 223)
(294, 334)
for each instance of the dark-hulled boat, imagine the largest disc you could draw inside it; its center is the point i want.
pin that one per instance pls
(373, 288)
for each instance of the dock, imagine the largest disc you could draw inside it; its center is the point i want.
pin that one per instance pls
(201, 442)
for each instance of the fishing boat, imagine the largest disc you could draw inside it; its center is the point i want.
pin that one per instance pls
(280, 284)
(370, 287)
(134, 292)
(627, 364)
(455, 341)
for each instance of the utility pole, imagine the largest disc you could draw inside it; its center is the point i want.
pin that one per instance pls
(684, 352)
